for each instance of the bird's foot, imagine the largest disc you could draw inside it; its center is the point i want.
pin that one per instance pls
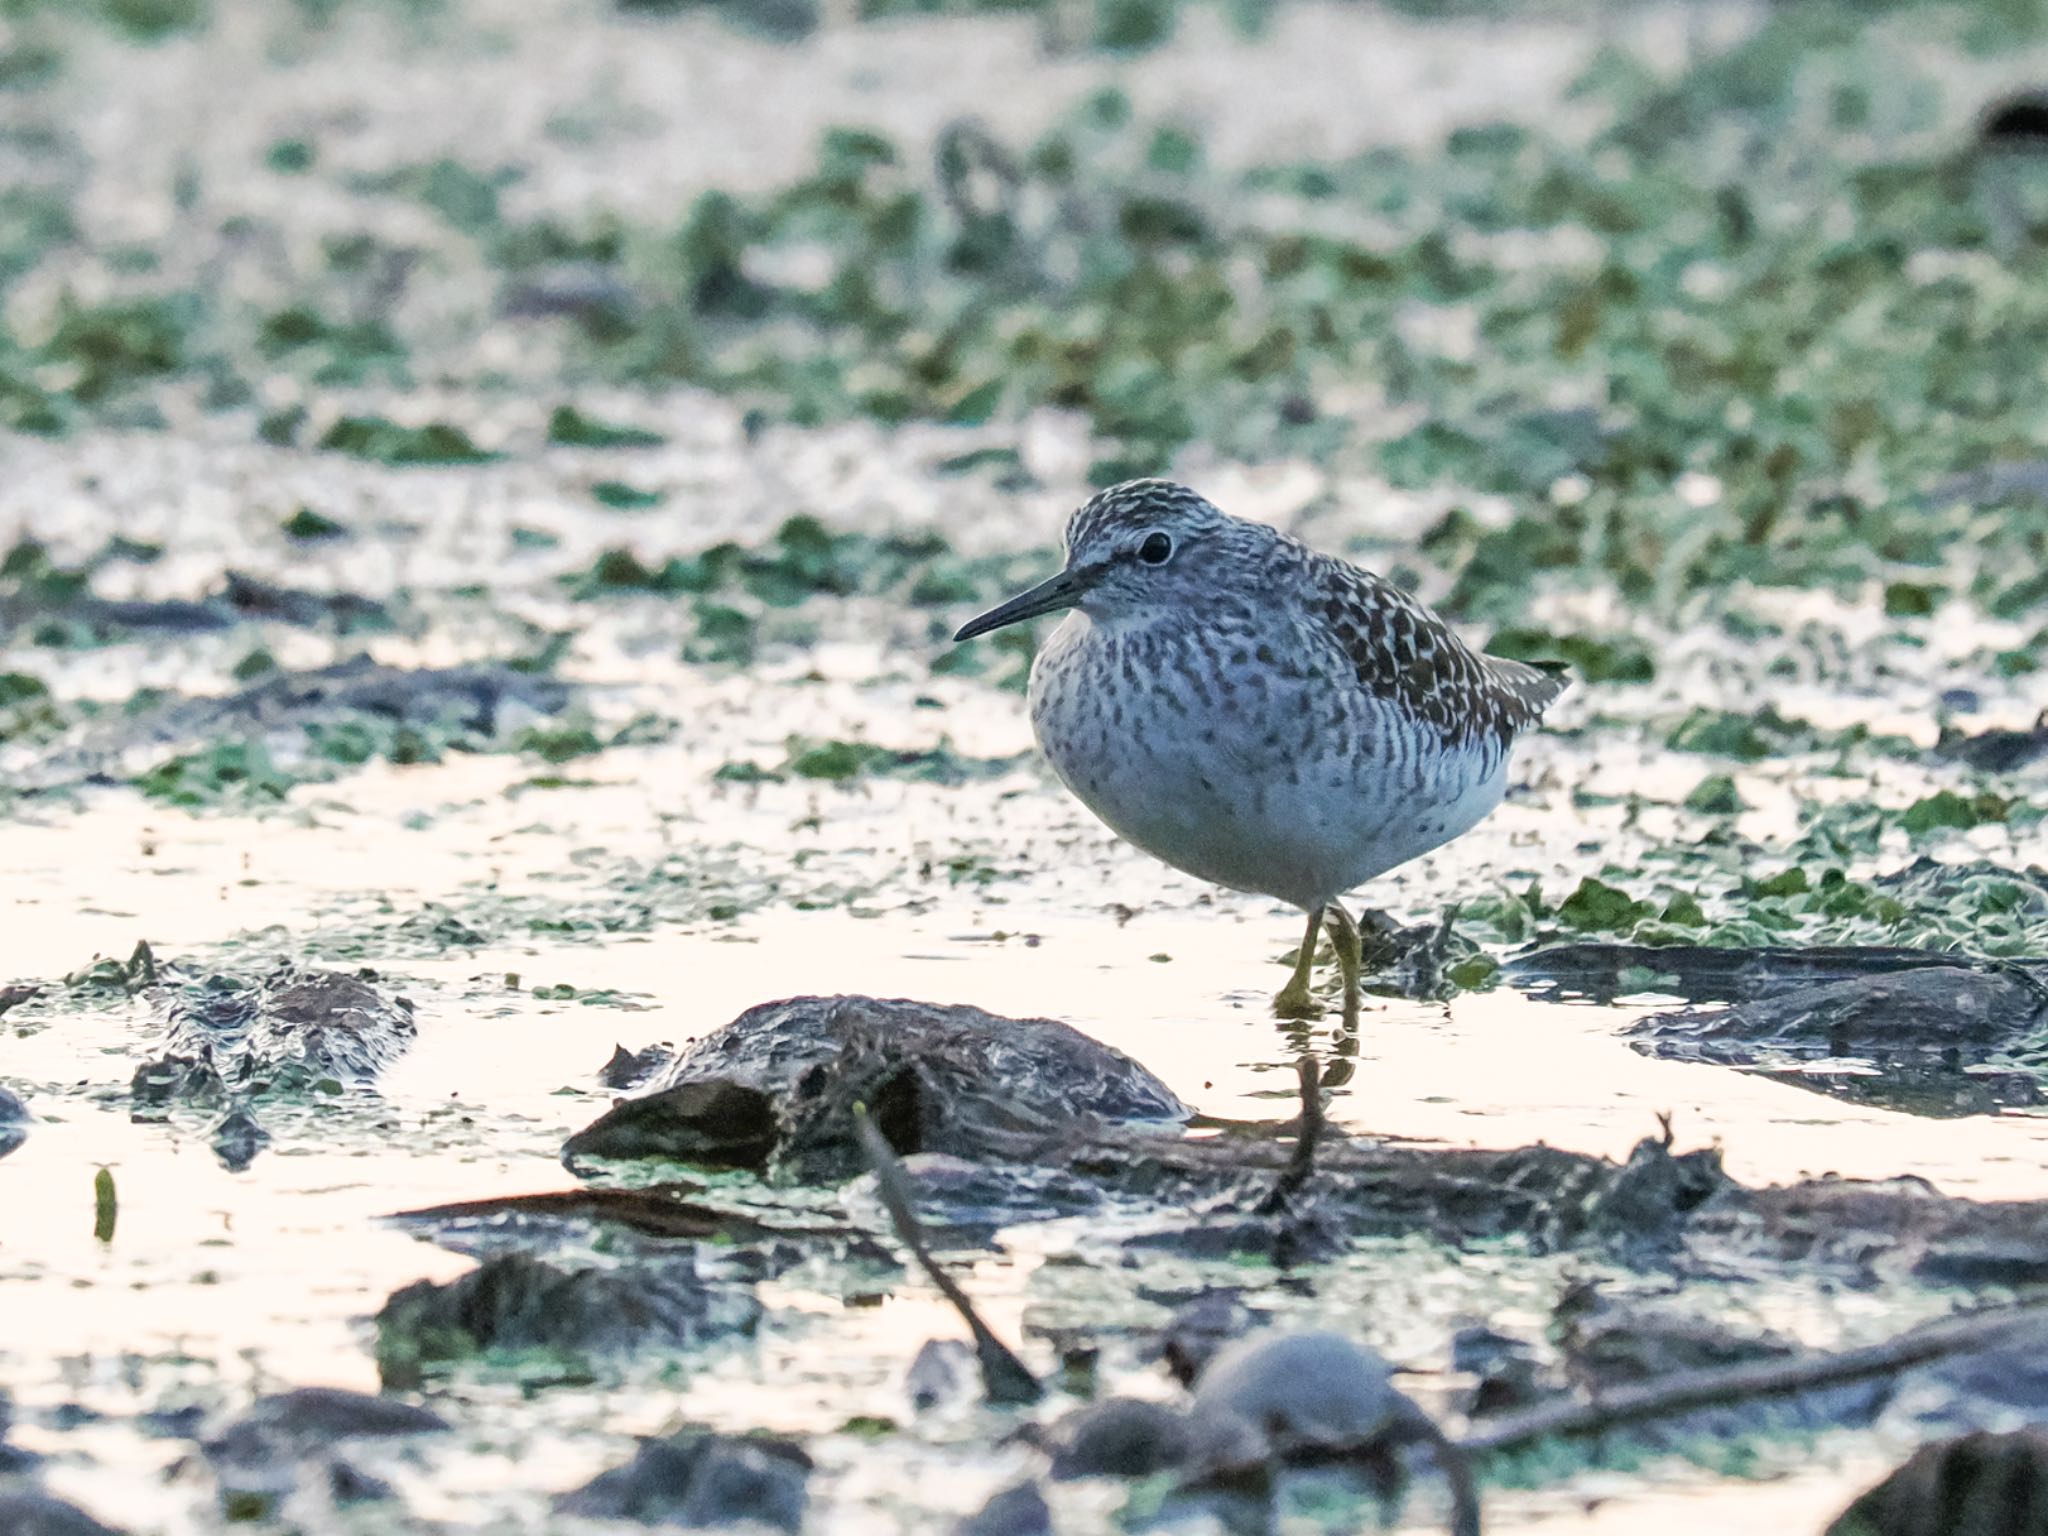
(1296, 1001)
(1349, 943)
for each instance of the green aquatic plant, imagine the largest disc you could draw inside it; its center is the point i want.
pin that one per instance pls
(309, 526)
(387, 442)
(841, 762)
(106, 1206)
(226, 770)
(1970, 908)
(334, 352)
(572, 429)
(621, 497)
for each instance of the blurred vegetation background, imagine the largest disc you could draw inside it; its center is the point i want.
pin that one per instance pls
(1764, 302)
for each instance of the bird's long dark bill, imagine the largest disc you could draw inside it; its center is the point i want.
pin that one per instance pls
(1055, 596)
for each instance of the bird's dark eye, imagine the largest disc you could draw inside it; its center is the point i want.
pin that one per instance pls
(1156, 550)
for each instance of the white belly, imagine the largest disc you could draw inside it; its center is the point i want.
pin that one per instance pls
(1299, 788)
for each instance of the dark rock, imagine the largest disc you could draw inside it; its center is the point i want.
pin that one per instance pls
(514, 1302)
(1716, 974)
(311, 1418)
(1303, 1393)
(649, 1488)
(741, 1482)
(288, 1441)
(1909, 1023)
(1611, 1343)
(1120, 1437)
(14, 1120)
(779, 1084)
(1927, 1011)
(15, 1460)
(1976, 1485)
(942, 1372)
(696, 1479)
(1017, 1511)
(348, 1483)
(1280, 1400)
(14, 995)
(291, 1030)
(1408, 961)
(1505, 1369)
(714, 1124)
(237, 1138)
(1995, 750)
(962, 1201)
(1199, 1328)
(27, 1513)
(627, 1068)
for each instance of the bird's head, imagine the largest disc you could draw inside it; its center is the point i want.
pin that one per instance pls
(1138, 546)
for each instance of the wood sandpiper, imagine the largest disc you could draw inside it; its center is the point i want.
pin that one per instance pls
(1261, 715)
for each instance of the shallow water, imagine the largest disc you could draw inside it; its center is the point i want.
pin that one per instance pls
(217, 1284)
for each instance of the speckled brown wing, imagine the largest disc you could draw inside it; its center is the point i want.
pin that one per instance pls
(1406, 654)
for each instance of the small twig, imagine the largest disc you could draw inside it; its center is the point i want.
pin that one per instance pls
(1303, 1163)
(1004, 1378)
(1683, 1391)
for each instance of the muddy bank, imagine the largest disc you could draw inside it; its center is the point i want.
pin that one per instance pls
(226, 1045)
(293, 726)
(1931, 1037)
(292, 1031)
(1926, 1032)
(696, 1480)
(512, 1303)
(777, 1088)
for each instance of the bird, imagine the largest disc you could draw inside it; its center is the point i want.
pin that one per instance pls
(1261, 715)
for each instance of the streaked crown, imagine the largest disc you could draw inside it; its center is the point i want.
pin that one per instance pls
(1111, 516)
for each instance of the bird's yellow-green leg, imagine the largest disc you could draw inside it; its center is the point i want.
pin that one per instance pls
(1348, 942)
(1294, 1001)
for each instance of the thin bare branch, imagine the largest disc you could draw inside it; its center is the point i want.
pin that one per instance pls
(1004, 1378)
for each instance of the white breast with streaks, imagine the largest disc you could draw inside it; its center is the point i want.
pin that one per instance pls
(1250, 758)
